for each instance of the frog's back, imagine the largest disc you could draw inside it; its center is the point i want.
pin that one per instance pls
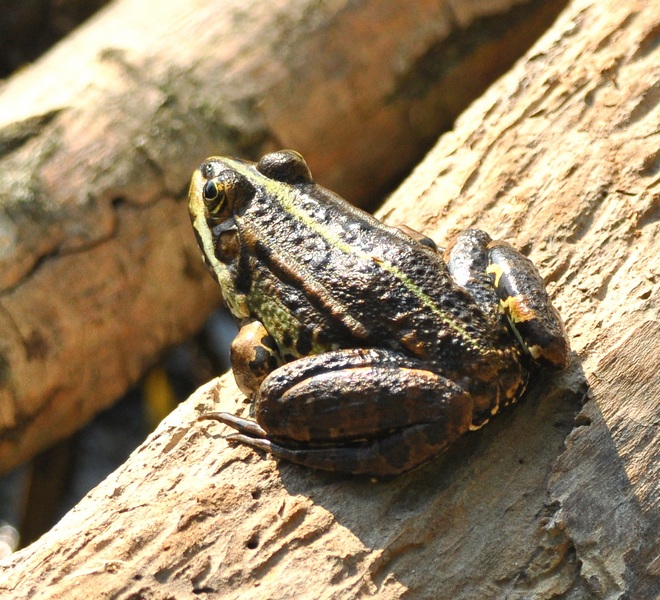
(352, 281)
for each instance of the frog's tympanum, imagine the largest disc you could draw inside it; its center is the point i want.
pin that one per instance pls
(363, 348)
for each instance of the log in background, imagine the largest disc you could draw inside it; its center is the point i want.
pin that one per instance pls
(560, 157)
(99, 271)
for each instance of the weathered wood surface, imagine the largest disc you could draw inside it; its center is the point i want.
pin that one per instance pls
(99, 271)
(561, 157)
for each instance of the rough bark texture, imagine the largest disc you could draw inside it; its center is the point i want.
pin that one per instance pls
(560, 157)
(98, 267)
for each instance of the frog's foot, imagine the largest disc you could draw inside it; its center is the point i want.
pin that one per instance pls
(397, 453)
(499, 278)
(245, 426)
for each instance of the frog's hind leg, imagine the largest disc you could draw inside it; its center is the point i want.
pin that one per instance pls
(372, 412)
(526, 303)
(341, 396)
(398, 452)
(504, 282)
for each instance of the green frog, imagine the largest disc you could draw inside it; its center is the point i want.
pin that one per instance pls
(364, 348)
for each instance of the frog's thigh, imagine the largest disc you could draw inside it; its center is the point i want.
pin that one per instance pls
(397, 453)
(361, 402)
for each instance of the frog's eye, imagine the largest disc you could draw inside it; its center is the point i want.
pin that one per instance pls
(225, 192)
(213, 197)
(210, 191)
(287, 166)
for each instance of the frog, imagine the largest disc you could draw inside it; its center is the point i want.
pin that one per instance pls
(363, 348)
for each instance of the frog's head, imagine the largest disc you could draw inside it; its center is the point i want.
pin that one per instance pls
(221, 186)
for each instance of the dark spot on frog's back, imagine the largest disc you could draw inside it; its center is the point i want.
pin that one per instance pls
(304, 342)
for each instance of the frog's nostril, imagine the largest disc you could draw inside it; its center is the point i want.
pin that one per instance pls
(207, 169)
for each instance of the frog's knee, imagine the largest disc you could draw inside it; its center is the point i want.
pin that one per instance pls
(467, 256)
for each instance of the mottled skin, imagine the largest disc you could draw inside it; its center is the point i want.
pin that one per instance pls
(363, 350)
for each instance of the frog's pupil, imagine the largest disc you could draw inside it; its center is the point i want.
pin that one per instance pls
(210, 190)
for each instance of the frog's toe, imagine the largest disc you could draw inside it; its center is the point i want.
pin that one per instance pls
(245, 426)
(259, 443)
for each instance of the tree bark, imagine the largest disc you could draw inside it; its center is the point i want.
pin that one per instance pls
(561, 158)
(99, 271)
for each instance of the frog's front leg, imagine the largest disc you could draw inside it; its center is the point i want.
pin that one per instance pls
(253, 356)
(357, 411)
(526, 303)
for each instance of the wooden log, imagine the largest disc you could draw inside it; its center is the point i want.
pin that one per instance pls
(99, 271)
(561, 157)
